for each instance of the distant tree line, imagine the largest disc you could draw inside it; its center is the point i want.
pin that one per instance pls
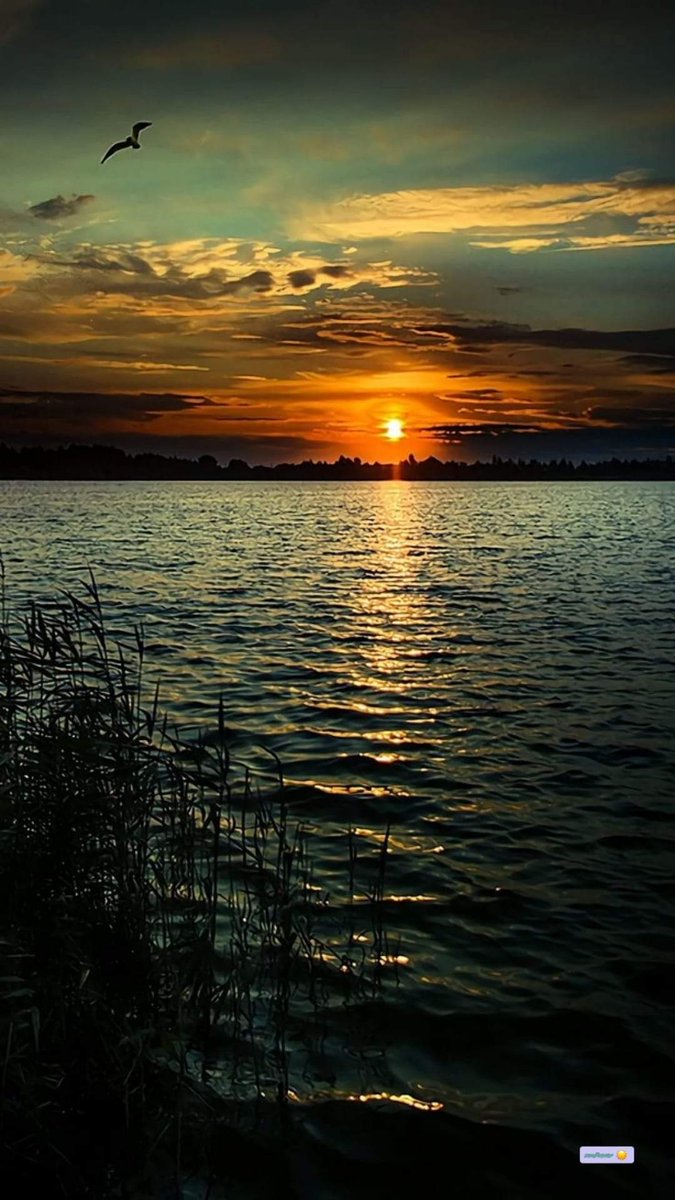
(109, 462)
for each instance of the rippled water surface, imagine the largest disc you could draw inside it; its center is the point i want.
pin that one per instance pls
(490, 668)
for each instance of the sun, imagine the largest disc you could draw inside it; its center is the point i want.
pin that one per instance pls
(394, 429)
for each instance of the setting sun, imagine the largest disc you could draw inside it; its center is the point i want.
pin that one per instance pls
(394, 430)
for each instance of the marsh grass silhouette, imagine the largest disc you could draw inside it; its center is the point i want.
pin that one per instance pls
(161, 934)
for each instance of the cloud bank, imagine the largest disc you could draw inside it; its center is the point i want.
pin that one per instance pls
(629, 210)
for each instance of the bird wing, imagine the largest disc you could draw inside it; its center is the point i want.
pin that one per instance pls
(113, 150)
(136, 129)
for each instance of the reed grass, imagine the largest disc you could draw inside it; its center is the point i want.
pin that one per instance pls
(161, 933)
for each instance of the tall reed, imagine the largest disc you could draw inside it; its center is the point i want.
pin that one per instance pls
(161, 934)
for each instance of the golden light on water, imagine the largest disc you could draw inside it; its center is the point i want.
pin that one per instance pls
(394, 429)
(410, 1101)
(367, 1097)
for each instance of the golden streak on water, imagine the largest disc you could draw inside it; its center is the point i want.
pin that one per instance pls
(422, 899)
(410, 1101)
(406, 845)
(366, 1097)
(352, 789)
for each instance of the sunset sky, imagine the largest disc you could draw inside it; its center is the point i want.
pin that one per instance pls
(460, 216)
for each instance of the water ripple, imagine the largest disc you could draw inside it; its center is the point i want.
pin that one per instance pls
(489, 667)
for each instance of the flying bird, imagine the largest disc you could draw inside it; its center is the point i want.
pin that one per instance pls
(132, 141)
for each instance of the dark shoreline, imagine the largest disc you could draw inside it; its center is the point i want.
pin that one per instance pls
(107, 463)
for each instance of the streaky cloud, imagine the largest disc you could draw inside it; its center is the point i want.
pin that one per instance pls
(637, 341)
(627, 210)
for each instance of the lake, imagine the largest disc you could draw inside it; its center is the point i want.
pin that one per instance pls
(489, 668)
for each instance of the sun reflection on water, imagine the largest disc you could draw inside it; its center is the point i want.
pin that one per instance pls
(389, 611)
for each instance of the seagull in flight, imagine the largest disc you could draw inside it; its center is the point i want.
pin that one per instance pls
(132, 141)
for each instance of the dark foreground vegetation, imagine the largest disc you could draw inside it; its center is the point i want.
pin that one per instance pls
(160, 934)
(109, 462)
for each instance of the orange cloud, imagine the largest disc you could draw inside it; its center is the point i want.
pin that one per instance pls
(16, 268)
(328, 348)
(519, 218)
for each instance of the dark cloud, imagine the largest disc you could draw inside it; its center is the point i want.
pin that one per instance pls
(620, 423)
(91, 260)
(478, 374)
(305, 278)
(337, 326)
(645, 417)
(496, 333)
(126, 273)
(238, 418)
(340, 327)
(589, 443)
(453, 433)
(509, 289)
(655, 364)
(370, 337)
(203, 287)
(479, 394)
(58, 207)
(393, 39)
(535, 372)
(301, 279)
(86, 410)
